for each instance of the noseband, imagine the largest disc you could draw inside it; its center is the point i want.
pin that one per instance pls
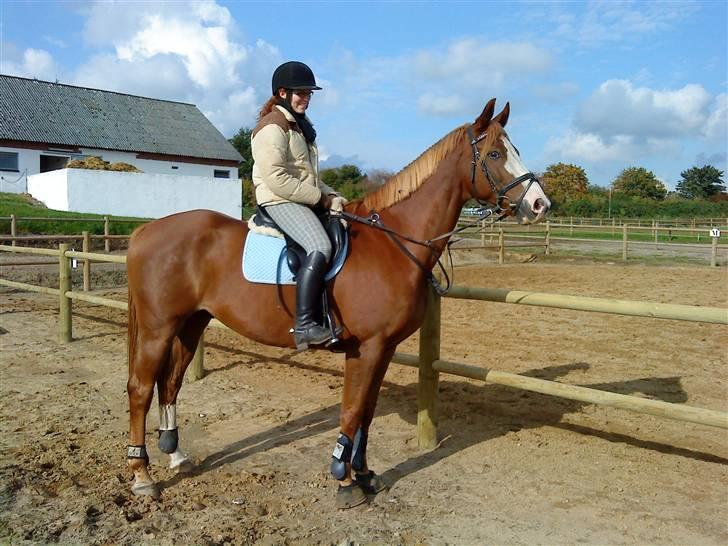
(499, 209)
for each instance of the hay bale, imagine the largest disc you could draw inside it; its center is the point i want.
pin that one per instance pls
(124, 167)
(97, 164)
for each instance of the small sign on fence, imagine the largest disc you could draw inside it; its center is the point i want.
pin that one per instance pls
(715, 232)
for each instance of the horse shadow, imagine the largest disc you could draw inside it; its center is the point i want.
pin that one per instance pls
(491, 411)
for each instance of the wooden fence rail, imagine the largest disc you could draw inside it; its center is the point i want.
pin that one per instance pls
(428, 361)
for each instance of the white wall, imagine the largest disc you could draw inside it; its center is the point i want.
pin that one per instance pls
(29, 164)
(51, 188)
(134, 194)
(160, 167)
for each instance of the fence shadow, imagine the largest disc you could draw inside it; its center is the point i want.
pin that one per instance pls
(472, 414)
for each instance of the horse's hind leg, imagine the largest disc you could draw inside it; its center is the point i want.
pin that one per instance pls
(169, 383)
(148, 352)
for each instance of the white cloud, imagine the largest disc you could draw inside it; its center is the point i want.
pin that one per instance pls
(619, 108)
(187, 51)
(440, 105)
(35, 63)
(617, 22)
(716, 126)
(476, 62)
(577, 146)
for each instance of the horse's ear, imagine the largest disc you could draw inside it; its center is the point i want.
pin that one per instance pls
(502, 118)
(484, 118)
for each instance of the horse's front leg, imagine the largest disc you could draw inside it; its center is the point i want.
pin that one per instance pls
(364, 372)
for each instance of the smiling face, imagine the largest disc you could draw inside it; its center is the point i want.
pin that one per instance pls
(300, 99)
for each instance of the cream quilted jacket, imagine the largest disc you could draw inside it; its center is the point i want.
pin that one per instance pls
(285, 167)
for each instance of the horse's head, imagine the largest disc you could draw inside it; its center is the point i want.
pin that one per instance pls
(498, 176)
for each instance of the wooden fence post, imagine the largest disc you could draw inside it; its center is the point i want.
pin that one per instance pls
(107, 241)
(65, 333)
(714, 252)
(13, 228)
(548, 238)
(86, 263)
(197, 367)
(624, 242)
(571, 226)
(428, 378)
(501, 247)
(482, 233)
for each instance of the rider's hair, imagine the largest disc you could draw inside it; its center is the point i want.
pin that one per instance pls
(267, 107)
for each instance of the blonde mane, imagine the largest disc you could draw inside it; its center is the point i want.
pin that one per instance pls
(406, 181)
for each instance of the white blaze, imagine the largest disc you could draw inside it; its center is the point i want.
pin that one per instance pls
(529, 211)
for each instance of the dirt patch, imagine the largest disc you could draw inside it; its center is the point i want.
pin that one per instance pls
(512, 467)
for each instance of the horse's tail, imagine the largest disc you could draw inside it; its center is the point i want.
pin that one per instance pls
(132, 329)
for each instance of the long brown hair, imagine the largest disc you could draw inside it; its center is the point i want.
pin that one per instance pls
(267, 107)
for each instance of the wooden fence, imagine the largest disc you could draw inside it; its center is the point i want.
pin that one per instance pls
(428, 361)
(544, 232)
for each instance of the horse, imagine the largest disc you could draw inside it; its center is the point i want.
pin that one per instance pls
(185, 269)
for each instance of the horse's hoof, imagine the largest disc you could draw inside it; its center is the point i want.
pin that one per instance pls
(146, 490)
(349, 496)
(370, 483)
(184, 467)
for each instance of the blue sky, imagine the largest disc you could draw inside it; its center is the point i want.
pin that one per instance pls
(604, 85)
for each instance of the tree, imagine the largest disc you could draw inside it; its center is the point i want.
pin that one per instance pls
(639, 182)
(241, 142)
(345, 179)
(564, 182)
(700, 182)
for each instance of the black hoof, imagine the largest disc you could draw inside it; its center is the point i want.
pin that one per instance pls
(349, 496)
(168, 440)
(370, 483)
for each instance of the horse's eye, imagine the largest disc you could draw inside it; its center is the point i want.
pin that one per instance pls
(494, 155)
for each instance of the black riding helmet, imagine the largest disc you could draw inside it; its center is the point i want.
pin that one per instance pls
(293, 75)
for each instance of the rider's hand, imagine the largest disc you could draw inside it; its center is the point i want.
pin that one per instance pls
(326, 200)
(338, 203)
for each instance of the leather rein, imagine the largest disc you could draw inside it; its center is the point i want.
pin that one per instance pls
(486, 210)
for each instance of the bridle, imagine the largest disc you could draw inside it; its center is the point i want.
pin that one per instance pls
(488, 209)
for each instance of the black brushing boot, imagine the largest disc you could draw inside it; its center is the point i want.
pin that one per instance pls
(309, 283)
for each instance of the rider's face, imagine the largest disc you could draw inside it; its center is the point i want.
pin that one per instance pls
(299, 100)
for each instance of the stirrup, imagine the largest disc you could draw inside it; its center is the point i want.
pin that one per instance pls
(304, 338)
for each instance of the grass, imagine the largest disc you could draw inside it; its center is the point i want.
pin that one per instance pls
(23, 205)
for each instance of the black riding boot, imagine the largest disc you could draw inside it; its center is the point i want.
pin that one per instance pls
(309, 283)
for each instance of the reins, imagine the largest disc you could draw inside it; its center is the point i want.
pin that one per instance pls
(375, 221)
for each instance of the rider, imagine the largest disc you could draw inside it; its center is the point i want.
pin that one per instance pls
(288, 185)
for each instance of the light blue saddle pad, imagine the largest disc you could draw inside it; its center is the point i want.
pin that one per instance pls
(264, 260)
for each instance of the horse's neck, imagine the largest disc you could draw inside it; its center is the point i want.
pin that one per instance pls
(430, 211)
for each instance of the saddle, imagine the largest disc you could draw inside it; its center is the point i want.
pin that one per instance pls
(295, 254)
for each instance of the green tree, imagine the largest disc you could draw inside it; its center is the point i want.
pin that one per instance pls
(700, 182)
(345, 179)
(639, 182)
(241, 142)
(565, 182)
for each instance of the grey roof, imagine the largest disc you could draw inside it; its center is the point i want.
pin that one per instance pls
(39, 111)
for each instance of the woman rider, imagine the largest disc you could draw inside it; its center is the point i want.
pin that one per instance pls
(287, 184)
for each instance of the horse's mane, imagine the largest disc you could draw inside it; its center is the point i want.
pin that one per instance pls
(406, 181)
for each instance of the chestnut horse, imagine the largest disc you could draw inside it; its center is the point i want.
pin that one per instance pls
(186, 268)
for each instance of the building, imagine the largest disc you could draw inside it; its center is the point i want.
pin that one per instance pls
(187, 163)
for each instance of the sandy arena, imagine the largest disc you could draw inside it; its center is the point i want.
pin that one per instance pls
(512, 467)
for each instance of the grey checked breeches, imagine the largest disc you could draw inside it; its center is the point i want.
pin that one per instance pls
(303, 226)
